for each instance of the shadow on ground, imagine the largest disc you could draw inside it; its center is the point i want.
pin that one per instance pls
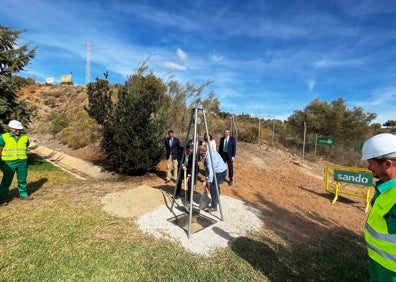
(304, 247)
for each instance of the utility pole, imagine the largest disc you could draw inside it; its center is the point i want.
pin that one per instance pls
(232, 121)
(259, 133)
(273, 131)
(88, 65)
(305, 132)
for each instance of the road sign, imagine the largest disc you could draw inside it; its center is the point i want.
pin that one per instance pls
(325, 140)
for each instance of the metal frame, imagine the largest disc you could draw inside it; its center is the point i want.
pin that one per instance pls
(194, 118)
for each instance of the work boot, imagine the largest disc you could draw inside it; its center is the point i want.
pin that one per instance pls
(211, 209)
(3, 202)
(27, 198)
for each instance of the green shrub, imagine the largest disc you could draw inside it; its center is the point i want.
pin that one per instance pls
(81, 130)
(58, 123)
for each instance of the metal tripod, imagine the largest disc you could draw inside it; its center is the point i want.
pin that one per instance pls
(194, 118)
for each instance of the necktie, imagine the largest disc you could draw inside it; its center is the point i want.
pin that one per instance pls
(225, 145)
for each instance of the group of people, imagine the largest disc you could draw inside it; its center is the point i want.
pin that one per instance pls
(223, 161)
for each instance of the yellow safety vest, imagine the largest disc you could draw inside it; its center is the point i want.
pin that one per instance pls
(381, 245)
(14, 150)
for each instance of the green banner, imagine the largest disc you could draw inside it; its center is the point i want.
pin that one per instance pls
(355, 177)
(325, 140)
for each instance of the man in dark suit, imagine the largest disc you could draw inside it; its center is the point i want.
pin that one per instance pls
(172, 145)
(197, 144)
(227, 150)
(187, 165)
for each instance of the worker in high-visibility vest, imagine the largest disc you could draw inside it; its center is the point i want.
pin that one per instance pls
(380, 232)
(13, 150)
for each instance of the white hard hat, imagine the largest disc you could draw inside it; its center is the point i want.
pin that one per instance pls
(15, 124)
(378, 146)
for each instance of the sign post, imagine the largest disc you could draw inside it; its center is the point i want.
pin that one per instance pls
(323, 140)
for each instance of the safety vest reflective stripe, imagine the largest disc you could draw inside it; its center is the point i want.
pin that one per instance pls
(380, 236)
(14, 150)
(381, 245)
(382, 253)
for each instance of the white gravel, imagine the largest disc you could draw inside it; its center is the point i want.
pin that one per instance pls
(239, 220)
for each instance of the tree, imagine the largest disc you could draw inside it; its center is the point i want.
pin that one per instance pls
(333, 119)
(182, 99)
(100, 104)
(13, 59)
(133, 125)
(390, 123)
(348, 127)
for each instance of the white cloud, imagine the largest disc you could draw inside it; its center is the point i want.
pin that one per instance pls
(174, 66)
(181, 58)
(381, 101)
(181, 55)
(311, 84)
(324, 63)
(217, 58)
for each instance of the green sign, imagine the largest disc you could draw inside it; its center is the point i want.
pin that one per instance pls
(324, 140)
(355, 177)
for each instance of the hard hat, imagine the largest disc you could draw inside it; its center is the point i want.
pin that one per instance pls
(379, 145)
(15, 124)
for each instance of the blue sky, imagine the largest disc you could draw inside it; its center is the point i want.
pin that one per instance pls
(266, 58)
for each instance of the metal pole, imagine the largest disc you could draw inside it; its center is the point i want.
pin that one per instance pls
(232, 124)
(259, 133)
(273, 131)
(305, 131)
(195, 149)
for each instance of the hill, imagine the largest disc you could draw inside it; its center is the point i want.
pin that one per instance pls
(287, 190)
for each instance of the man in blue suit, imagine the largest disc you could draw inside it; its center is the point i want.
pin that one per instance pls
(227, 150)
(172, 145)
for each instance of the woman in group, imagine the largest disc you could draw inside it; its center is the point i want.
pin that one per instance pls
(209, 141)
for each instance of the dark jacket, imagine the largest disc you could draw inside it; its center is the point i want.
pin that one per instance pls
(231, 148)
(174, 150)
(189, 165)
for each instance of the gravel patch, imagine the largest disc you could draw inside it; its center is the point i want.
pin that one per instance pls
(132, 203)
(151, 210)
(239, 220)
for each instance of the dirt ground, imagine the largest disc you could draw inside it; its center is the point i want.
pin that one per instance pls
(288, 190)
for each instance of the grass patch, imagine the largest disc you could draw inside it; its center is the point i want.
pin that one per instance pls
(64, 235)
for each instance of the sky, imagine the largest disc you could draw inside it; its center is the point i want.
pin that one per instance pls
(265, 58)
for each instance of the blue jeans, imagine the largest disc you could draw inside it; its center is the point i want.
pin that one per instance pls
(213, 193)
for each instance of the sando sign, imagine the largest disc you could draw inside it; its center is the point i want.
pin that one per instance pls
(355, 177)
(351, 181)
